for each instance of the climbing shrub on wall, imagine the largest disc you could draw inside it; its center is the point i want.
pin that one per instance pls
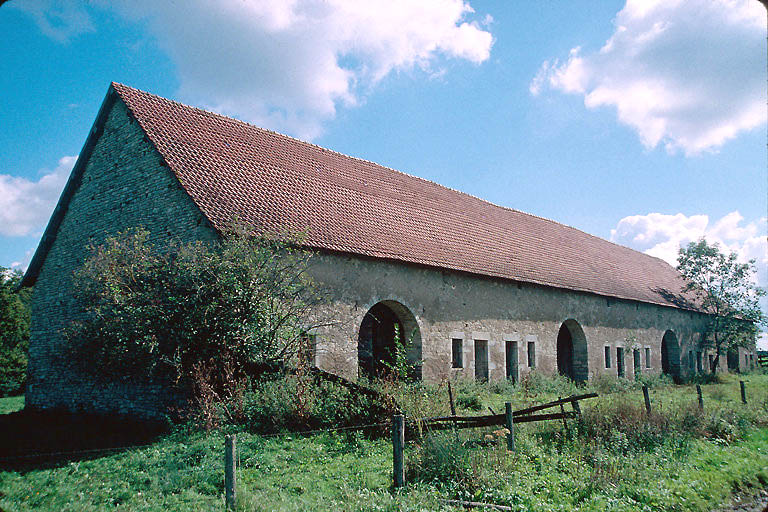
(236, 307)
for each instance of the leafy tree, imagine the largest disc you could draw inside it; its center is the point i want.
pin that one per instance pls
(726, 290)
(14, 332)
(221, 309)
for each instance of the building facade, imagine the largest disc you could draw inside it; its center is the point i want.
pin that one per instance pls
(477, 291)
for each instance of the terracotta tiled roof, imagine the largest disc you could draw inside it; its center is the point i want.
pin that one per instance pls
(276, 183)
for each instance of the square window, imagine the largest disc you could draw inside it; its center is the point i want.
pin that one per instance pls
(531, 354)
(457, 350)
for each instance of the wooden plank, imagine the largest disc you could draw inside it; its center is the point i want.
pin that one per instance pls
(489, 421)
(549, 405)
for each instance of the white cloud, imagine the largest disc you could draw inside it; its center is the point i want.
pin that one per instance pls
(60, 20)
(662, 235)
(26, 205)
(289, 64)
(689, 75)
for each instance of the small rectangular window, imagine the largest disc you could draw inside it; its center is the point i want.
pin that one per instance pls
(607, 357)
(647, 357)
(457, 349)
(698, 362)
(531, 354)
(691, 360)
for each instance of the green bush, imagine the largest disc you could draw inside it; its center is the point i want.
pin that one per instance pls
(157, 312)
(705, 378)
(443, 459)
(538, 383)
(469, 401)
(14, 332)
(273, 405)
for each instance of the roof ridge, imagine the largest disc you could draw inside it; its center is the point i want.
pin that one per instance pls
(359, 159)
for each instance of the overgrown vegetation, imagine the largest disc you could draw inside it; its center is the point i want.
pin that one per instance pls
(206, 316)
(14, 332)
(151, 311)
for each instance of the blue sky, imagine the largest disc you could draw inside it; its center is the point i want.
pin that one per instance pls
(641, 122)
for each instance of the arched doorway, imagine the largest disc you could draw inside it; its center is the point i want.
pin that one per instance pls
(670, 355)
(572, 355)
(381, 325)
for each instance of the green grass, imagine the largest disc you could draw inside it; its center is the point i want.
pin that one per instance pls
(184, 470)
(11, 404)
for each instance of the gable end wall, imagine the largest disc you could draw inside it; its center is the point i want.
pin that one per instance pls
(123, 185)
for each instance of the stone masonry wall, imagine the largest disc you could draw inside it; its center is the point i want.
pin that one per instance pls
(448, 305)
(124, 185)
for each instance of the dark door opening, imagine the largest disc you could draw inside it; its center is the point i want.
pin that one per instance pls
(511, 353)
(565, 352)
(376, 343)
(636, 367)
(481, 360)
(620, 361)
(670, 355)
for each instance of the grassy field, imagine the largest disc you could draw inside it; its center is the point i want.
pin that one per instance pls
(678, 460)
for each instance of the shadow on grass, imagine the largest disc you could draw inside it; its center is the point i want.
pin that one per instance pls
(31, 439)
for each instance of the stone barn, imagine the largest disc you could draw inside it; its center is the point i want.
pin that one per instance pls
(482, 291)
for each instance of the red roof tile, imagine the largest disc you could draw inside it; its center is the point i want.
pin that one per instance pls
(234, 170)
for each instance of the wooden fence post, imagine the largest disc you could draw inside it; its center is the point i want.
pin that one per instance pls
(743, 392)
(510, 427)
(576, 408)
(701, 399)
(398, 444)
(565, 424)
(230, 467)
(647, 398)
(450, 398)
